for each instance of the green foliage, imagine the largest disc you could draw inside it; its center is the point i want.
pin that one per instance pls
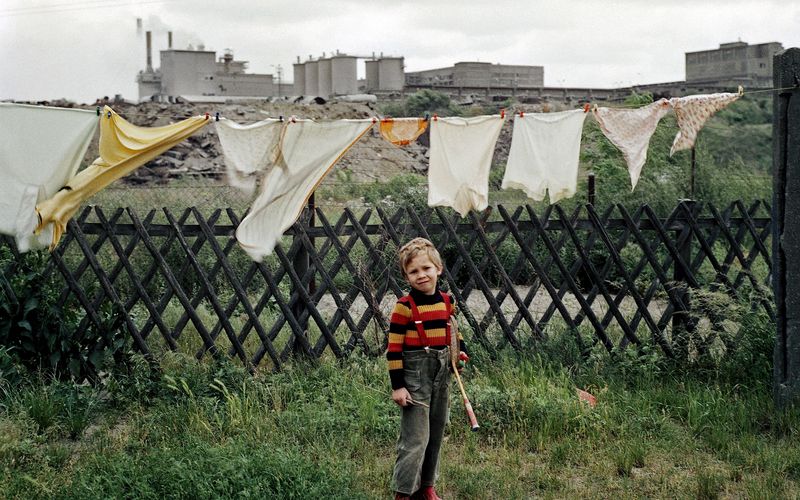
(637, 100)
(422, 102)
(40, 333)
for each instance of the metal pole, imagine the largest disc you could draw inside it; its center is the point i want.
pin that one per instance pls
(693, 173)
(786, 226)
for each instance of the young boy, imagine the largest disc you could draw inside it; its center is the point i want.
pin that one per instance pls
(419, 361)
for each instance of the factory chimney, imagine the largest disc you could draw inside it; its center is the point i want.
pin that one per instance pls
(169, 39)
(148, 36)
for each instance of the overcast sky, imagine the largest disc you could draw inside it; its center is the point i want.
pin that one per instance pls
(84, 49)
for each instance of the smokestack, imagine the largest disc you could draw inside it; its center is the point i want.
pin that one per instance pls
(169, 39)
(149, 35)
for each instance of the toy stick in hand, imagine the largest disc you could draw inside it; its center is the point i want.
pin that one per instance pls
(454, 350)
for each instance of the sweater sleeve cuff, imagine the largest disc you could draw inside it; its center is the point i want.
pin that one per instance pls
(397, 379)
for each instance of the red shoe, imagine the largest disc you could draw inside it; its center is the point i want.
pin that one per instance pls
(428, 493)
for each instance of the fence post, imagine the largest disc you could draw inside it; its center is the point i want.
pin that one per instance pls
(682, 325)
(591, 189)
(786, 226)
(301, 264)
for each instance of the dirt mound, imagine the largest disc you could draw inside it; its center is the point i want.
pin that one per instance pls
(372, 159)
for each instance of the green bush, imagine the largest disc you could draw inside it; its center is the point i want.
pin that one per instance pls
(41, 333)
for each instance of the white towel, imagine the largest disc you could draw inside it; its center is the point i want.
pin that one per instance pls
(248, 150)
(41, 148)
(692, 112)
(630, 131)
(544, 154)
(307, 152)
(461, 155)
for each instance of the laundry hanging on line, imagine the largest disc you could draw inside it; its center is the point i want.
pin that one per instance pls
(40, 149)
(308, 150)
(249, 150)
(461, 155)
(544, 154)
(693, 111)
(402, 131)
(630, 131)
(124, 147)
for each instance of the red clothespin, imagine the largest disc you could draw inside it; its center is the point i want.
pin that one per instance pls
(586, 108)
(435, 117)
(292, 119)
(503, 113)
(374, 119)
(521, 114)
(207, 115)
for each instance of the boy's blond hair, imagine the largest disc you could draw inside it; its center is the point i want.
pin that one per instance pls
(415, 247)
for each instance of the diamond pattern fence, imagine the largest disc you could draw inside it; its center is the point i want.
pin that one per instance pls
(607, 279)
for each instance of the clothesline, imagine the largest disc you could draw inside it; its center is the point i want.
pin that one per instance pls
(292, 156)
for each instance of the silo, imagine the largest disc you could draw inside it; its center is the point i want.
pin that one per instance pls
(312, 78)
(299, 78)
(324, 78)
(343, 75)
(372, 75)
(391, 75)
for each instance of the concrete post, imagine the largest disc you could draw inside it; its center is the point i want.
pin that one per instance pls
(786, 225)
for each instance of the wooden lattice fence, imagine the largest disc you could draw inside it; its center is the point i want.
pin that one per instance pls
(605, 279)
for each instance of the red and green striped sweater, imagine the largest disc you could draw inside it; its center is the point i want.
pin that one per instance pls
(403, 334)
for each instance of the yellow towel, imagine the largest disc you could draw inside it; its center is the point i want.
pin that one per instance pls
(402, 131)
(124, 147)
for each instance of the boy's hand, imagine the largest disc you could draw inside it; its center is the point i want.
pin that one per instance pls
(401, 396)
(462, 361)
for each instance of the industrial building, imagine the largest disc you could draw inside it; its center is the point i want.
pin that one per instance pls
(735, 63)
(192, 73)
(479, 74)
(337, 75)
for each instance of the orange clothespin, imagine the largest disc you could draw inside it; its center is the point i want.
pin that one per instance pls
(503, 113)
(586, 108)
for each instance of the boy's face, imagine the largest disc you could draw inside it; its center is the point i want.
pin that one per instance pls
(422, 273)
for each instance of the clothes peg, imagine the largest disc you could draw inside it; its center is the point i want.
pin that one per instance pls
(374, 119)
(427, 116)
(435, 117)
(108, 115)
(503, 113)
(741, 91)
(522, 114)
(216, 116)
(586, 108)
(207, 115)
(280, 118)
(98, 110)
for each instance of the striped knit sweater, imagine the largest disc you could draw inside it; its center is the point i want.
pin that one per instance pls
(403, 335)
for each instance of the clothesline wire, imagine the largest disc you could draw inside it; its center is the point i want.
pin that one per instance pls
(760, 91)
(511, 111)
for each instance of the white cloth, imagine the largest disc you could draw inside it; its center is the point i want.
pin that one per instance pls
(308, 151)
(41, 148)
(248, 150)
(630, 131)
(461, 155)
(692, 112)
(544, 154)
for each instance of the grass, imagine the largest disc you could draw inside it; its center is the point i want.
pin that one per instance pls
(209, 430)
